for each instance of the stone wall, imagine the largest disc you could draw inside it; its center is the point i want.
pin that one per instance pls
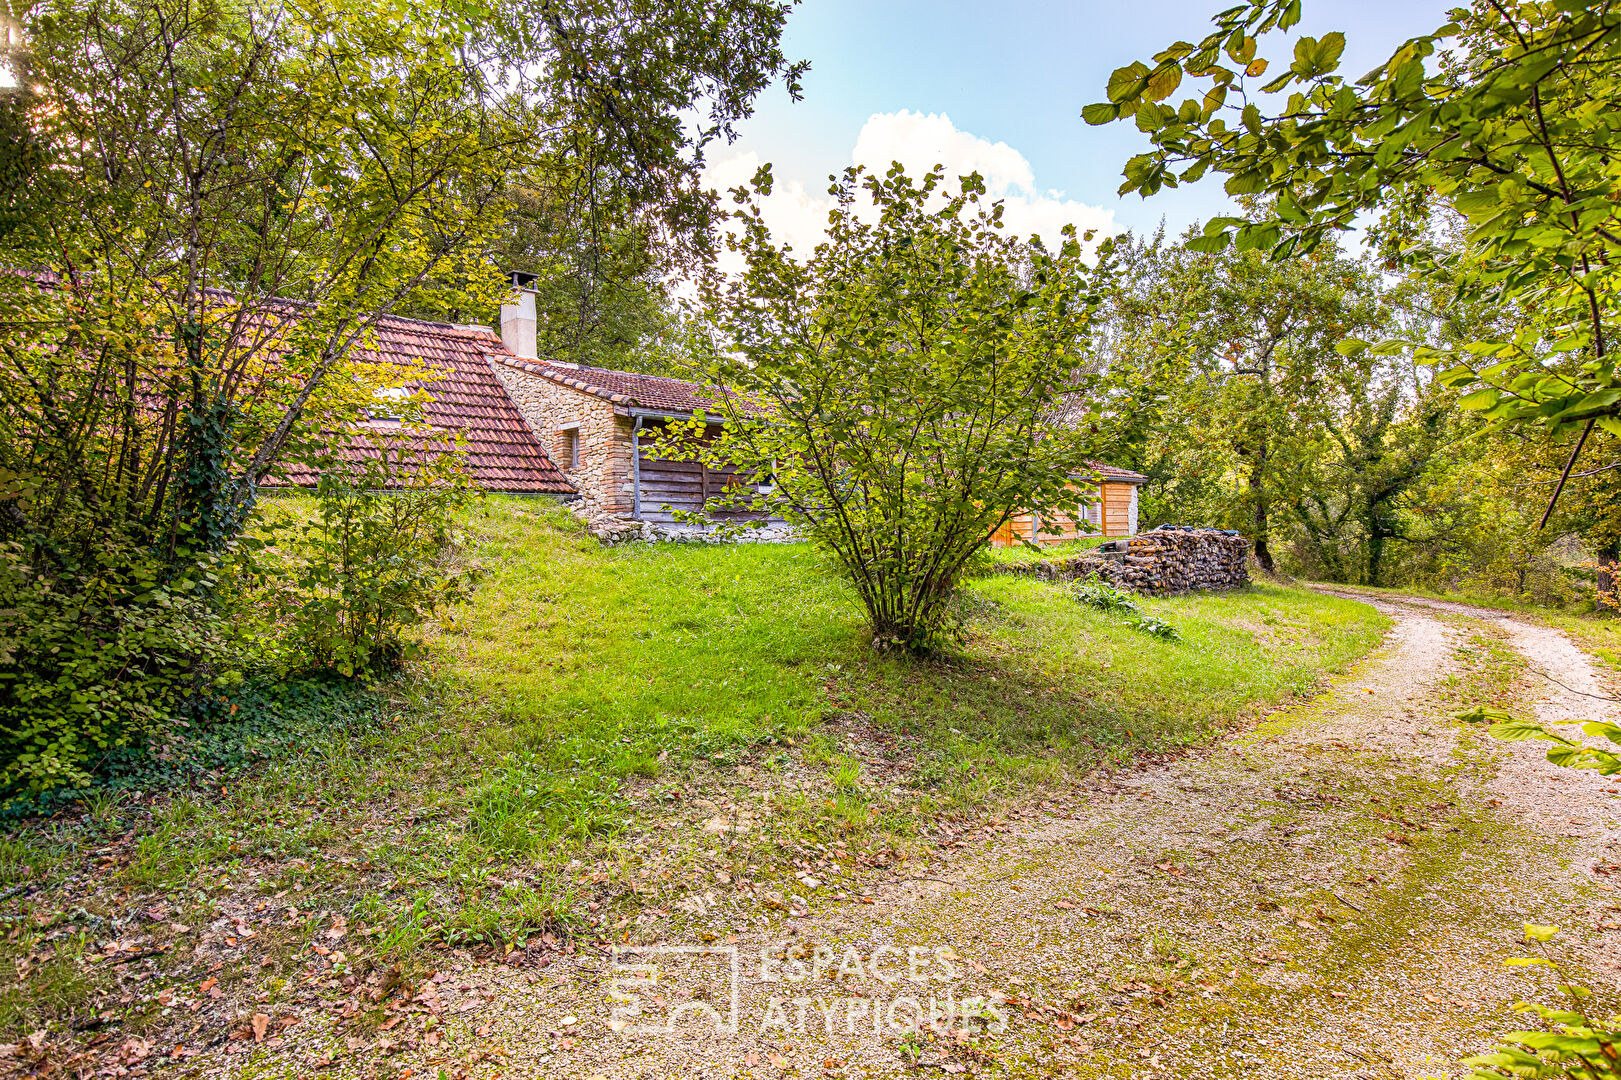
(603, 475)
(1158, 562)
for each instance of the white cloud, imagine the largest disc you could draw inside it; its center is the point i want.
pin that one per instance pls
(797, 215)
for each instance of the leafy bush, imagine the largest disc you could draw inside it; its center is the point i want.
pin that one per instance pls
(1093, 591)
(374, 563)
(98, 647)
(907, 389)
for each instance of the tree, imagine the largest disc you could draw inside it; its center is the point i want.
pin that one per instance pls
(213, 207)
(902, 386)
(1380, 427)
(1519, 131)
(1241, 353)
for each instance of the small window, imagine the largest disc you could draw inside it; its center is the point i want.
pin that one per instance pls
(568, 448)
(389, 403)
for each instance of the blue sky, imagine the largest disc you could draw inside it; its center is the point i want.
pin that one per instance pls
(1015, 73)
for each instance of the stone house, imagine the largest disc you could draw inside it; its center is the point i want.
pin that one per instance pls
(597, 425)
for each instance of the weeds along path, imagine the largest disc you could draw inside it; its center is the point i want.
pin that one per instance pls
(1331, 894)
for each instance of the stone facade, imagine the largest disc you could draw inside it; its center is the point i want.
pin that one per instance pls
(599, 462)
(1158, 562)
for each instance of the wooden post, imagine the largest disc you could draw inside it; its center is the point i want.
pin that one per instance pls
(636, 470)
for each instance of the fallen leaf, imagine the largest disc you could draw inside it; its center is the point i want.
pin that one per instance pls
(261, 1023)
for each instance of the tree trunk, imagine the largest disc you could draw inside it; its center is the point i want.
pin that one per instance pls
(1263, 552)
(1608, 577)
(1376, 558)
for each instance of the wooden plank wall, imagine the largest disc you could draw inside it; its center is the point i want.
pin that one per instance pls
(685, 486)
(1116, 509)
(1115, 514)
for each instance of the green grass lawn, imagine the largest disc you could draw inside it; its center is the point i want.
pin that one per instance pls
(611, 664)
(600, 725)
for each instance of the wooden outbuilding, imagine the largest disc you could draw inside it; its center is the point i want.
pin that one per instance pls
(1110, 510)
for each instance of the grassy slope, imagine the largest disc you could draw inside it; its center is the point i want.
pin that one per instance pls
(607, 660)
(590, 717)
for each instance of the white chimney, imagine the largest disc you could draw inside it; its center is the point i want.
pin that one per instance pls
(518, 321)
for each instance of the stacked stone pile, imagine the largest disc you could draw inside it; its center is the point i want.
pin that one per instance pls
(1159, 562)
(617, 529)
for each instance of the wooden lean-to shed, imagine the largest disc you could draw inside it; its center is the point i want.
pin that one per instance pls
(1110, 510)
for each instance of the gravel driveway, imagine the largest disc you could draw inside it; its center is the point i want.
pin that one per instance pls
(1331, 894)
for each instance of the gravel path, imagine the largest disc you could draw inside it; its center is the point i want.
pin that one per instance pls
(1331, 894)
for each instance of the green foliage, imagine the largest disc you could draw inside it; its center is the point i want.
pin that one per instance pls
(1578, 1047)
(98, 650)
(1517, 132)
(1237, 401)
(216, 736)
(377, 559)
(1574, 1046)
(1566, 752)
(902, 386)
(1094, 592)
(1154, 626)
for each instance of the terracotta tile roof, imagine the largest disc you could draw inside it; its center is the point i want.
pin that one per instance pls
(678, 395)
(624, 387)
(502, 453)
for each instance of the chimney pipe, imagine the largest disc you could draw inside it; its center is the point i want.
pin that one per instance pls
(518, 319)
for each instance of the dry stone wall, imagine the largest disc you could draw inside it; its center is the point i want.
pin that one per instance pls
(1159, 562)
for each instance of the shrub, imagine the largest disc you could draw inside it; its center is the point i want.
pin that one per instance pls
(98, 648)
(1577, 1047)
(905, 391)
(374, 564)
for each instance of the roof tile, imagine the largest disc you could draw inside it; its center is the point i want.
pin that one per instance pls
(465, 397)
